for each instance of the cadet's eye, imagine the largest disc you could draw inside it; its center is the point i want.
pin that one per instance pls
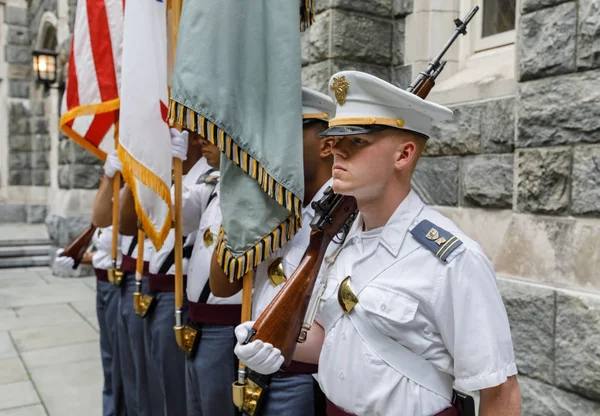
(358, 141)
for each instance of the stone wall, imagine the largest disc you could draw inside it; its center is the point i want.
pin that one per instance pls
(520, 174)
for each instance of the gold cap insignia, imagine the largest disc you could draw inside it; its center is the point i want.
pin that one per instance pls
(340, 89)
(208, 238)
(433, 234)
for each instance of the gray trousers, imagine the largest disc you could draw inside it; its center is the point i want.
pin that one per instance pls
(166, 361)
(132, 354)
(211, 372)
(107, 311)
(291, 395)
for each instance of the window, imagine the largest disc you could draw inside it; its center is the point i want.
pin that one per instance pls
(496, 24)
(498, 17)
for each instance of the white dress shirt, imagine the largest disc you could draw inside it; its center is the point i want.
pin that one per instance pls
(199, 269)
(291, 254)
(102, 241)
(449, 313)
(194, 199)
(149, 249)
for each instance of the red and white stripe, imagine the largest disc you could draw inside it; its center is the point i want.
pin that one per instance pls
(94, 74)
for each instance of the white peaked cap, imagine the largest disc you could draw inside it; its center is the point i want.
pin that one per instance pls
(365, 103)
(316, 105)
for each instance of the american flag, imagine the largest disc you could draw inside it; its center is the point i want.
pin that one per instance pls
(90, 106)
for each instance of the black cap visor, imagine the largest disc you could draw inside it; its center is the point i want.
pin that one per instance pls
(353, 130)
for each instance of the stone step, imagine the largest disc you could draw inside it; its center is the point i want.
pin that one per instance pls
(33, 261)
(25, 242)
(24, 251)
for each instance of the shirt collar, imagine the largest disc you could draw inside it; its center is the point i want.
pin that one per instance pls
(396, 228)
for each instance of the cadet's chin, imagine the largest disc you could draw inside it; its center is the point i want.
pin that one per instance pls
(341, 187)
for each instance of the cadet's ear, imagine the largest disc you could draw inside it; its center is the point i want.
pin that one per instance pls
(325, 147)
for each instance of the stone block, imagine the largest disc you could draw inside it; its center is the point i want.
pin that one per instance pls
(17, 54)
(19, 143)
(578, 344)
(39, 126)
(82, 156)
(543, 180)
(64, 151)
(41, 142)
(41, 177)
(316, 76)
(19, 177)
(539, 249)
(12, 213)
(305, 47)
(19, 160)
(547, 41)
(318, 37)
(528, 6)
(36, 214)
(498, 126)
(18, 89)
(559, 110)
(586, 253)
(588, 34)
(18, 110)
(436, 180)
(379, 71)
(398, 37)
(19, 72)
(63, 230)
(402, 76)
(15, 16)
(458, 136)
(585, 187)
(39, 160)
(403, 7)
(487, 181)
(18, 36)
(79, 176)
(540, 399)
(376, 7)
(531, 315)
(37, 108)
(20, 126)
(361, 38)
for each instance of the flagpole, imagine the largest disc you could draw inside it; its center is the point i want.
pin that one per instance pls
(239, 385)
(115, 275)
(175, 7)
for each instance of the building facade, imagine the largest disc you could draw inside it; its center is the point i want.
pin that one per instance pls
(518, 168)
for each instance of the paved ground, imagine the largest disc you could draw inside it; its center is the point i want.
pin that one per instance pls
(49, 352)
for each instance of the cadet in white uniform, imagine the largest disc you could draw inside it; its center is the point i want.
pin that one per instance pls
(411, 305)
(212, 367)
(165, 359)
(293, 392)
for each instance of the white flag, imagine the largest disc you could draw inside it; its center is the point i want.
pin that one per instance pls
(145, 141)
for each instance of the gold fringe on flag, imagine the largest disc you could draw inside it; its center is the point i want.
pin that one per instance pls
(237, 267)
(132, 170)
(307, 14)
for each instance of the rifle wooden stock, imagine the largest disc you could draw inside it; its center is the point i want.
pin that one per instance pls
(77, 248)
(282, 320)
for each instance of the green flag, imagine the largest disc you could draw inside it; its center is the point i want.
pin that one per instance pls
(237, 83)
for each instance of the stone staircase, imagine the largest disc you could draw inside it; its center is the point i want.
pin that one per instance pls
(24, 253)
(24, 245)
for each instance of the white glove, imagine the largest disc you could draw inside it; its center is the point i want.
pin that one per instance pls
(112, 165)
(257, 355)
(179, 142)
(64, 264)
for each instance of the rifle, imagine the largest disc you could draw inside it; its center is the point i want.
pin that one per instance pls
(282, 320)
(78, 247)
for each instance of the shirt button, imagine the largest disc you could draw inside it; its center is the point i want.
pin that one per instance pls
(382, 307)
(344, 335)
(342, 375)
